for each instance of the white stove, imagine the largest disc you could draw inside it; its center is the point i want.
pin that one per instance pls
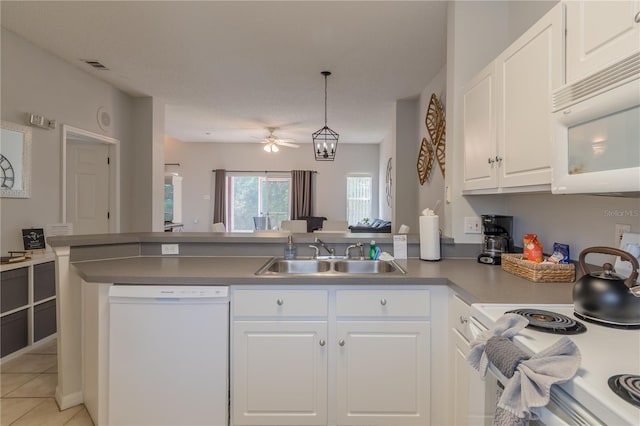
(605, 352)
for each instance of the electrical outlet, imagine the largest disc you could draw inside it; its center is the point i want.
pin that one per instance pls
(170, 249)
(620, 229)
(472, 225)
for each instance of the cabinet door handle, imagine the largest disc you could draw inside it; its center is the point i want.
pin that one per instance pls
(490, 160)
(280, 302)
(341, 342)
(637, 18)
(463, 320)
(383, 301)
(322, 342)
(498, 159)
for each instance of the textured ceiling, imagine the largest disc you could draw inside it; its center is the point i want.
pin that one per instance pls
(227, 70)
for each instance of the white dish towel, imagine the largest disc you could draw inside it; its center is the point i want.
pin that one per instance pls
(529, 378)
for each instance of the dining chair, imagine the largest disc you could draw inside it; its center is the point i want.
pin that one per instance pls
(218, 227)
(261, 222)
(297, 226)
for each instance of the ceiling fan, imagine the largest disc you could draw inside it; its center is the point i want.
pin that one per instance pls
(272, 142)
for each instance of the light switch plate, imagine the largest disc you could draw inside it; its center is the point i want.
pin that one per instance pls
(620, 230)
(170, 249)
(472, 225)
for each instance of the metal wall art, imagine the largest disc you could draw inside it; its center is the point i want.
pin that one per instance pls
(425, 161)
(436, 128)
(15, 161)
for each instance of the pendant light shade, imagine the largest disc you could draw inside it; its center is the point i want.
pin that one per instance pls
(325, 140)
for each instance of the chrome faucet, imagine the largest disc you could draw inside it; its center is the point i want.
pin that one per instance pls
(331, 251)
(352, 246)
(317, 251)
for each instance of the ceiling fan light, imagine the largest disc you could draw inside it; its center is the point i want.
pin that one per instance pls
(274, 148)
(267, 147)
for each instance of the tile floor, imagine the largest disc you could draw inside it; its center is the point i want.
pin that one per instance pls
(28, 384)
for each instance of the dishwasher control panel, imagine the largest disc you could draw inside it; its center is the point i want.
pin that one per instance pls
(168, 291)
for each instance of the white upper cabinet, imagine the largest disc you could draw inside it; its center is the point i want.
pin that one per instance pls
(600, 33)
(479, 127)
(527, 73)
(507, 113)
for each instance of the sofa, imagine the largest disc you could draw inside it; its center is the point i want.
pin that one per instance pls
(313, 222)
(376, 226)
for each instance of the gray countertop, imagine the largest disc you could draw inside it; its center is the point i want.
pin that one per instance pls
(474, 282)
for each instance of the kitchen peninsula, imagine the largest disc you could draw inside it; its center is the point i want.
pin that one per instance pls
(87, 266)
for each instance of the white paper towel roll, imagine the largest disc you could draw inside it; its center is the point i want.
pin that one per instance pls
(429, 237)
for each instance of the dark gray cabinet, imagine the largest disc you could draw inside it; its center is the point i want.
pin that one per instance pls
(27, 303)
(44, 320)
(44, 281)
(14, 333)
(14, 289)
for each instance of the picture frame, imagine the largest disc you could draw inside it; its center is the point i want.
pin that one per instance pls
(15, 160)
(33, 239)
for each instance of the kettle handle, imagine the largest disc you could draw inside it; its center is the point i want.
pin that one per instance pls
(631, 280)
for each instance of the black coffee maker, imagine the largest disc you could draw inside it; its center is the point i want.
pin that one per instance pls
(496, 232)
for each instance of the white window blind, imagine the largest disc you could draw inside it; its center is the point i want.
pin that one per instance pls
(358, 198)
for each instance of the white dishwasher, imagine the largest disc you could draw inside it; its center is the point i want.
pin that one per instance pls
(168, 355)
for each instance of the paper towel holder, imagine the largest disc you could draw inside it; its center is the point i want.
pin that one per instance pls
(430, 238)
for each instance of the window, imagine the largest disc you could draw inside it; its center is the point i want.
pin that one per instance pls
(358, 198)
(168, 202)
(250, 195)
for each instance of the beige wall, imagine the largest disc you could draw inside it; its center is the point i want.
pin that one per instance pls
(432, 191)
(198, 159)
(405, 203)
(34, 81)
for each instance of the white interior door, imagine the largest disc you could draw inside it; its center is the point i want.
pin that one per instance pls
(88, 187)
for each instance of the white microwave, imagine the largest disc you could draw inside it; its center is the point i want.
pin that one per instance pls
(597, 132)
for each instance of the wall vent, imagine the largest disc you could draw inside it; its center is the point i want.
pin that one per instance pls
(95, 64)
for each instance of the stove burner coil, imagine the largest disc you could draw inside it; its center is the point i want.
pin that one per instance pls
(627, 387)
(550, 322)
(604, 323)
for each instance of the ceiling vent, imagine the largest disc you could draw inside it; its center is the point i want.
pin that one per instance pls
(95, 64)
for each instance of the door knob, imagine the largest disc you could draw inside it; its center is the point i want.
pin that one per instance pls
(280, 302)
(341, 342)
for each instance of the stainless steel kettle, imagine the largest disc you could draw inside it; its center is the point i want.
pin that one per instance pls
(605, 297)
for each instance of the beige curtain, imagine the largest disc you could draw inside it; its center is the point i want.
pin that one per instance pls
(219, 194)
(301, 193)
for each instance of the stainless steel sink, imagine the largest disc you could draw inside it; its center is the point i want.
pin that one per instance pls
(330, 266)
(364, 266)
(297, 266)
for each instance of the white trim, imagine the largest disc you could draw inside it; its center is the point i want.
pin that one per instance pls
(68, 401)
(86, 136)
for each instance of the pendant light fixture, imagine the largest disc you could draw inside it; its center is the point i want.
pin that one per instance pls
(325, 140)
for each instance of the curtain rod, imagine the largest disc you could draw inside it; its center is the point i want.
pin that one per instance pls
(259, 171)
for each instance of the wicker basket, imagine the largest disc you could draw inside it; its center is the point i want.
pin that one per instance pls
(538, 272)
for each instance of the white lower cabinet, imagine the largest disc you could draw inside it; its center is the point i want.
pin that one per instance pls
(361, 357)
(459, 338)
(279, 357)
(280, 373)
(383, 373)
(460, 379)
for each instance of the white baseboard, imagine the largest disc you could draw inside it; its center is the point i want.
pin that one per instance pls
(67, 401)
